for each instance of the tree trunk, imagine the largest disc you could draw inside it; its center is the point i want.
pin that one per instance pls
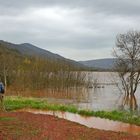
(133, 103)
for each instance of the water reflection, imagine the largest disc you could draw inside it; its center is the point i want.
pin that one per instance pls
(104, 96)
(130, 102)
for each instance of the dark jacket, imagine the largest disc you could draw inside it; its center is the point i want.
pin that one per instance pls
(2, 89)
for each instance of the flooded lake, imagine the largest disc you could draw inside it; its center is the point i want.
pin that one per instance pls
(102, 94)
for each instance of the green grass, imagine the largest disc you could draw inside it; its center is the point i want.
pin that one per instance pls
(14, 103)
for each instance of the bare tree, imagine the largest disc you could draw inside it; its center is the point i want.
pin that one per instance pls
(127, 52)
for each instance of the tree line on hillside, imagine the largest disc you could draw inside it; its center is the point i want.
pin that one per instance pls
(35, 73)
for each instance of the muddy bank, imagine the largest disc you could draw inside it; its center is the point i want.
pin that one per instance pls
(91, 122)
(25, 125)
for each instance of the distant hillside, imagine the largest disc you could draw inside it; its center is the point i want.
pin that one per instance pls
(106, 63)
(31, 50)
(23, 69)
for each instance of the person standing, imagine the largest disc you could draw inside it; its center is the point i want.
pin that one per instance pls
(2, 91)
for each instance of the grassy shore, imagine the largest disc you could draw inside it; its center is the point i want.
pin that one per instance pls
(14, 103)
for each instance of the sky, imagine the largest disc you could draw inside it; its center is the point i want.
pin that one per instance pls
(75, 29)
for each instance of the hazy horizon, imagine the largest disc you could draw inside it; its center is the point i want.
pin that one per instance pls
(78, 30)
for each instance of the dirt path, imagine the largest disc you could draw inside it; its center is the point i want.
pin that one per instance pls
(28, 126)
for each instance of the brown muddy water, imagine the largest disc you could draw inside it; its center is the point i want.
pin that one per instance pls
(102, 94)
(91, 122)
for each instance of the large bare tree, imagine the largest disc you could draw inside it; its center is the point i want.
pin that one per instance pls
(127, 52)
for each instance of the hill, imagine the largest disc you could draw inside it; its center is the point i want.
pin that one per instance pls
(27, 67)
(31, 50)
(106, 63)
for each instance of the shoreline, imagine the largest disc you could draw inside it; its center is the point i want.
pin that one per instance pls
(16, 102)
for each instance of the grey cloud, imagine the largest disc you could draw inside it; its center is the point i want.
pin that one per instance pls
(125, 7)
(67, 26)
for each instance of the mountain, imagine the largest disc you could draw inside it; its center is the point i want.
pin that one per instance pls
(106, 63)
(31, 50)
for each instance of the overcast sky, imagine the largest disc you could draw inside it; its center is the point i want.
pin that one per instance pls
(76, 29)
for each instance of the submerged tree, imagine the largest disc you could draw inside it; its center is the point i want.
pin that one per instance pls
(127, 52)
